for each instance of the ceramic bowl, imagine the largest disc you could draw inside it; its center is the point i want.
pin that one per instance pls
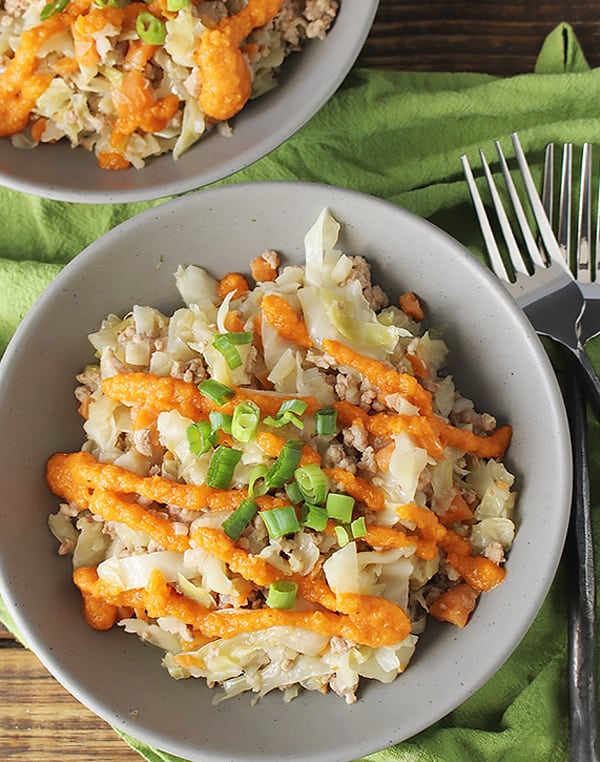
(308, 79)
(496, 358)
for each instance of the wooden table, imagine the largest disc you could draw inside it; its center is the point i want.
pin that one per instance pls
(39, 721)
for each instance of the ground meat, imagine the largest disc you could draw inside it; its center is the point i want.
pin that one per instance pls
(320, 14)
(193, 371)
(495, 552)
(347, 387)
(375, 295)
(335, 456)
(356, 436)
(359, 392)
(463, 414)
(367, 461)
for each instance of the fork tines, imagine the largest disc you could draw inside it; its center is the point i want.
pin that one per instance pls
(524, 252)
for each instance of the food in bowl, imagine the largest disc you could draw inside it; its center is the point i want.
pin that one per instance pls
(132, 80)
(280, 483)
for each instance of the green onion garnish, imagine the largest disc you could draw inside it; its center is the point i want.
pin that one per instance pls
(326, 421)
(281, 521)
(339, 507)
(292, 490)
(289, 412)
(226, 344)
(282, 594)
(358, 528)
(287, 462)
(221, 467)
(228, 350)
(201, 437)
(234, 525)
(215, 391)
(220, 421)
(342, 535)
(57, 6)
(312, 483)
(245, 420)
(256, 480)
(150, 29)
(313, 517)
(177, 5)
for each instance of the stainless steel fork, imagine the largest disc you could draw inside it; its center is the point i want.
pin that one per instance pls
(558, 285)
(585, 260)
(540, 282)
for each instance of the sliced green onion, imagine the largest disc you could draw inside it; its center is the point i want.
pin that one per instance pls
(312, 483)
(234, 525)
(342, 536)
(150, 29)
(219, 420)
(359, 527)
(281, 521)
(241, 337)
(215, 391)
(177, 5)
(201, 437)
(339, 507)
(282, 594)
(57, 6)
(256, 481)
(289, 412)
(326, 421)
(292, 490)
(228, 350)
(221, 467)
(293, 406)
(313, 517)
(287, 462)
(245, 420)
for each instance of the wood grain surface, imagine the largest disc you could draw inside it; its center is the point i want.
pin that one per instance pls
(39, 720)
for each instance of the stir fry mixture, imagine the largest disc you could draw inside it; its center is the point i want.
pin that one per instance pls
(129, 80)
(280, 482)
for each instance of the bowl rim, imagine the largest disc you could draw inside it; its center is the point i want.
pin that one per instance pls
(555, 406)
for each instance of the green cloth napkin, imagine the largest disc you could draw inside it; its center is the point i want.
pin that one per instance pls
(398, 136)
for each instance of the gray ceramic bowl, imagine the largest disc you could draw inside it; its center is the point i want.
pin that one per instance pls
(497, 358)
(307, 81)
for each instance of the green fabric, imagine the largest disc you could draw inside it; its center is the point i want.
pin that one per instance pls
(398, 136)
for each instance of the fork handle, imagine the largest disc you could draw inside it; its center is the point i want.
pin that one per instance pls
(589, 377)
(582, 603)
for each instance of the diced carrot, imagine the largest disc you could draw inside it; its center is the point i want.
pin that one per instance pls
(457, 512)
(455, 605)
(232, 282)
(411, 306)
(233, 322)
(262, 270)
(113, 161)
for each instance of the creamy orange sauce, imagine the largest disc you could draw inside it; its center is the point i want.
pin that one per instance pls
(359, 488)
(272, 445)
(278, 313)
(262, 270)
(380, 375)
(225, 79)
(232, 282)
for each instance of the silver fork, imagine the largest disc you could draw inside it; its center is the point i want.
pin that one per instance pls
(556, 283)
(541, 283)
(585, 263)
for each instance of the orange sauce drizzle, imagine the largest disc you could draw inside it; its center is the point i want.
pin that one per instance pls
(280, 316)
(225, 79)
